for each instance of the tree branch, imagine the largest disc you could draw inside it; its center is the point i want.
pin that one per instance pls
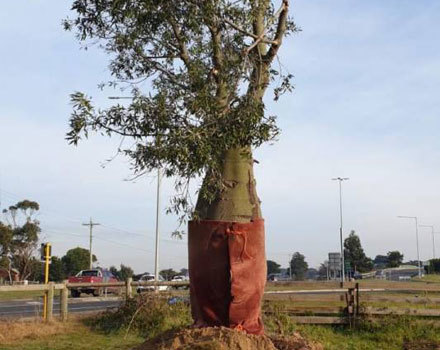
(249, 34)
(184, 54)
(279, 34)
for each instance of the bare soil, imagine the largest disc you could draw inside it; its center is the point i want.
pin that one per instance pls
(224, 339)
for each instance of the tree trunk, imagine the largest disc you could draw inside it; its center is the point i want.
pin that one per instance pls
(238, 201)
(227, 263)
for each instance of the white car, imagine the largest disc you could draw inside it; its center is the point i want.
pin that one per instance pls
(180, 278)
(151, 278)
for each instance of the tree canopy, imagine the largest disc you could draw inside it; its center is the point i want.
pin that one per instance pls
(197, 72)
(395, 258)
(299, 266)
(355, 255)
(168, 274)
(123, 273)
(75, 260)
(273, 267)
(19, 233)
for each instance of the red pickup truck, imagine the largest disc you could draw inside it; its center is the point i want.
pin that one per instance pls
(92, 276)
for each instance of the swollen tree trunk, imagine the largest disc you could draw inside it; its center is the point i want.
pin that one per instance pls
(238, 201)
(227, 263)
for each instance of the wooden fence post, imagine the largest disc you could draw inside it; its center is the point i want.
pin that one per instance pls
(50, 294)
(128, 288)
(64, 302)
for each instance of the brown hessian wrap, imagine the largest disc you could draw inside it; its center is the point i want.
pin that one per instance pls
(227, 270)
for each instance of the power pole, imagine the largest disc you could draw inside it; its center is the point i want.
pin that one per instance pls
(340, 179)
(91, 224)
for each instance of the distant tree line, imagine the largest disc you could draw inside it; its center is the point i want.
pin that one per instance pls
(356, 261)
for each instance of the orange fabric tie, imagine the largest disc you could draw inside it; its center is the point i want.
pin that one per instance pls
(231, 232)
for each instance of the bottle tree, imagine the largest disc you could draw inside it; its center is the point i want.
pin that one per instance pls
(197, 72)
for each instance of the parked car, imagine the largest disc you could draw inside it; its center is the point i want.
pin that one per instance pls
(180, 278)
(92, 276)
(151, 278)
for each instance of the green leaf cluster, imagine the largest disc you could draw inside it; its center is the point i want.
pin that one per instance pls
(197, 72)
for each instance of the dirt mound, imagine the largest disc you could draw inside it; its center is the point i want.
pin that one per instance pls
(295, 342)
(223, 339)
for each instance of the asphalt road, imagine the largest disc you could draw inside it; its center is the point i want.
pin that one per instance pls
(33, 307)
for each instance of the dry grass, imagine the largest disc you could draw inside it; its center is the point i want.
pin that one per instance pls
(11, 331)
(422, 285)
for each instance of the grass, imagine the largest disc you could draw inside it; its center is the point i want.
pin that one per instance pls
(145, 318)
(431, 278)
(58, 336)
(388, 333)
(142, 318)
(33, 294)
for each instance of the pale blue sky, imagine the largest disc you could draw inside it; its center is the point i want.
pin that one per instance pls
(366, 105)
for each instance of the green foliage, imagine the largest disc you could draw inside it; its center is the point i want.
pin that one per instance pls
(168, 274)
(277, 319)
(272, 267)
(19, 235)
(56, 270)
(75, 260)
(395, 258)
(145, 315)
(354, 253)
(434, 266)
(123, 273)
(207, 65)
(381, 261)
(299, 266)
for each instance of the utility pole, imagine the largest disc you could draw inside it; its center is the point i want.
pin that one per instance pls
(340, 179)
(417, 241)
(156, 263)
(290, 265)
(91, 224)
(433, 239)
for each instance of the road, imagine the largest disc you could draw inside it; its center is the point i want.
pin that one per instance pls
(33, 307)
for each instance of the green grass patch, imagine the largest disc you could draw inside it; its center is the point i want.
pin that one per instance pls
(429, 278)
(388, 333)
(33, 294)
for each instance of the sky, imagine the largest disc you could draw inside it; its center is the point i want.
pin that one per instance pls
(365, 106)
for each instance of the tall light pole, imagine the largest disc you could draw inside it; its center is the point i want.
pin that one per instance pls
(290, 265)
(340, 179)
(156, 253)
(156, 261)
(433, 239)
(417, 240)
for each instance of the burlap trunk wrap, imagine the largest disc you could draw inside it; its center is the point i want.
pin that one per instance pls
(227, 269)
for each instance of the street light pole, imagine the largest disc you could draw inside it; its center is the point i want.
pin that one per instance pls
(340, 179)
(156, 262)
(156, 253)
(417, 241)
(433, 239)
